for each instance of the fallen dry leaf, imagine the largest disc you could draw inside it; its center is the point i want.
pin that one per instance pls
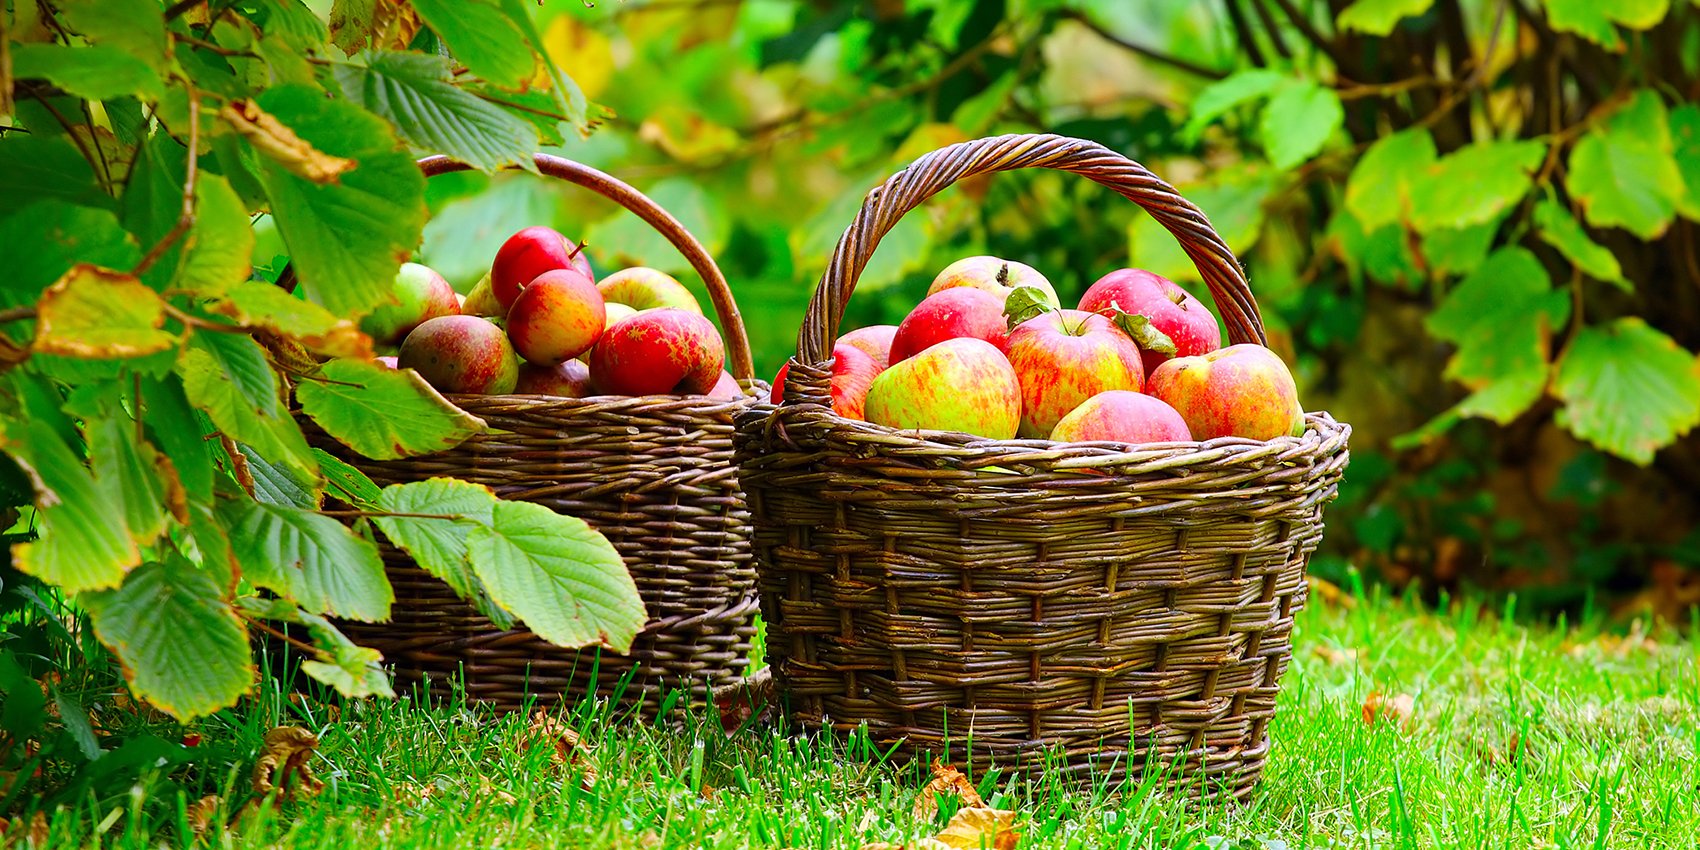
(1330, 593)
(1396, 709)
(284, 753)
(1336, 657)
(200, 813)
(745, 700)
(949, 782)
(569, 749)
(969, 829)
(273, 138)
(487, 790)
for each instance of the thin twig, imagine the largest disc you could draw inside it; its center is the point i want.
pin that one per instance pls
(180, 7)
(1141, 50)
(1242, 28)
(187, 218)
(298, 643)
(213, 48)
(1268, 20)
(13, 314)
(1307, 28)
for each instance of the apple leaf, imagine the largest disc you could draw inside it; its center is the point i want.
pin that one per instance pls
(1026, 302)
(484, 38)
(95, 72)
(1377, 17)
(416, 93)
(33, 168)
(1298, 121)
(175, 426)
(39, 244)
(1625, 173)
(1558, 229)
(384, 413)
(275, 484)
(229, 377)
(438, 545)
(182, 646)
(310, 558)
(1216, 99)
(97, 313)
(1628, 389)
(350, 484)
(1145, 334)
(136, 27)
(144, 480)
(1378, 191)
(81, 539)
(1474, 184)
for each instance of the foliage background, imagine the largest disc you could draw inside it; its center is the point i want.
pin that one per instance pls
(1470, 224)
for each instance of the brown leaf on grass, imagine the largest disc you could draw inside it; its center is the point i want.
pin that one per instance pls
(745, 700)
(200, 813)
(1336, 657)
(488, 791)
(949, 782)
(274, 139)
(283, 756)
(569, 749)
(1330, 593)
(1394, 709)
(969, 829)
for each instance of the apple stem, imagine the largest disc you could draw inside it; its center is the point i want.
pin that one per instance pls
(1179, 298)
(577, 249)
(1003, 274)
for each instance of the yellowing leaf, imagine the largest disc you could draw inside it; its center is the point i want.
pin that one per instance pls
(949, 782)
(271, 137)
(259, 304)
(973, 829)
(284, 760)
(1377, 17)
(583, 52)
(99, 313)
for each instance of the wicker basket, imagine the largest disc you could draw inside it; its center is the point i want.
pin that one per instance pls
(1089, 610)
(652, 473)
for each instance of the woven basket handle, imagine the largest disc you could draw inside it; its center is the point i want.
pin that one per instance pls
(725, 306)
(926, 176)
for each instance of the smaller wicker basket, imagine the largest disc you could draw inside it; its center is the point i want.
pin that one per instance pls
(1079, 609)
(654, 474)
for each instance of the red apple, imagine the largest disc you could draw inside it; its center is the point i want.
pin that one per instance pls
(1122, 416)
(1240, 391)
(1065, 357)
(957, 312)
(570, 379)
(643, 288)
(1170, 308)
(874, 340)
(556, 317)
(727, 388)
(853, 371)
(992, 274)
(529, 253)
(614, 312)
(666, 350)
(418, 294)
(961, 384)
(461, 354)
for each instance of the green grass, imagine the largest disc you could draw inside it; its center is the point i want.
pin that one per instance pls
(1518, 738)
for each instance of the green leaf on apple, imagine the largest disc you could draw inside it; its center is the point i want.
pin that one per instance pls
(384, 413)
(1025, 303)
(1145, 335)
(1628, 389)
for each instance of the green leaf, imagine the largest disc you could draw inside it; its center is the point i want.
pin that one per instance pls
(1378, 192)
(259, 304)
(93, 73)
(39, 244)
(1685, 140)
(1593, 21)
(568, 96)
(348, 483)
(229, 377)
(1628, 389)
(310, 558)
(144, 479)
(173, 424)
(1377, 17)
(76, 720)
(182, 646)
(1024, 303)
(215, 253)
(1473, 185)
(294, 24)
(439, 546)
(275, 484)
(96, 313)
(34, 167)
(483, 37)
(81, 543)
(24, 708)
(1625, 174)
(221, 241)
(1501, 317)
(1558, 229)
(1298, 121)
(417, 94)
(384, 413)
(561, 577)
(1216, 99)
(352, 669)
(1457, 250)
(348, 237)
(136, 27)
(1145, 334)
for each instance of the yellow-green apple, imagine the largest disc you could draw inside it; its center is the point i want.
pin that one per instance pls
(556, 317)
(992, 274)
(481, 300)
(1064, 357)
(570, 379)
(853, 372)
(529, 253)
(1122, 416)
(664, 350)
(727, 388)
(957, 312)
(874, 340)
(961, 384)
(1182, 318)
(643, 288)
(418, 294)
(461, 354)
(1240, 391)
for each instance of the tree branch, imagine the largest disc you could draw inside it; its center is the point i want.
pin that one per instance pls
(1141, 50)
(1242, 31)
(1269, 26)
(1307, 28)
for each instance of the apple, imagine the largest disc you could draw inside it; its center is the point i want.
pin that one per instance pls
(1122, 416)
(614, 312)
(419, 294)
(992, 274)
(1240, 391)
(529, 253)
(957, 312)
(481, 300)
(874, 340)
(664, 350)
(727, 388)
(556, 317)
(1171, 309)
(570, 379)
(643, 288)
(961, 384)
(853, 371)
(461, 354)
(1065, 357)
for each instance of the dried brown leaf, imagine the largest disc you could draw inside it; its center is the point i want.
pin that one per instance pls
(948, 782)
(745, 700)
(392, 25)
(488, 791)
(284, 755)
(200, 813)
(969, 829)
(1336, 657)
(1330, 593)
(569, 749)
(1395, 709)
(274, 139)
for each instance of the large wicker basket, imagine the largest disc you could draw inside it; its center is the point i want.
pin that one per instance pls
(654, 474)
(1090, 610)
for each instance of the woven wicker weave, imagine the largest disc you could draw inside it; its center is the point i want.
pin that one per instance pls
(1086, 607)
(654, 474)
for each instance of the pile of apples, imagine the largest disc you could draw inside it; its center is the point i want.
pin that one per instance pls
(991, 352)
(540, 323)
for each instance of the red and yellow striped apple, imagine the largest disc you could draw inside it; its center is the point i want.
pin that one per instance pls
(461, 354)
(853, 372)
(417, 295)
(961, 384)
(1171, 309)
(952, 313)
(570, 379)
(873, 340)
(1240, 391)
(992, 274)
(1122, 416)
(643, 288)
(556, 317)
(1065, 357)
(664, 350)
(529, 253)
